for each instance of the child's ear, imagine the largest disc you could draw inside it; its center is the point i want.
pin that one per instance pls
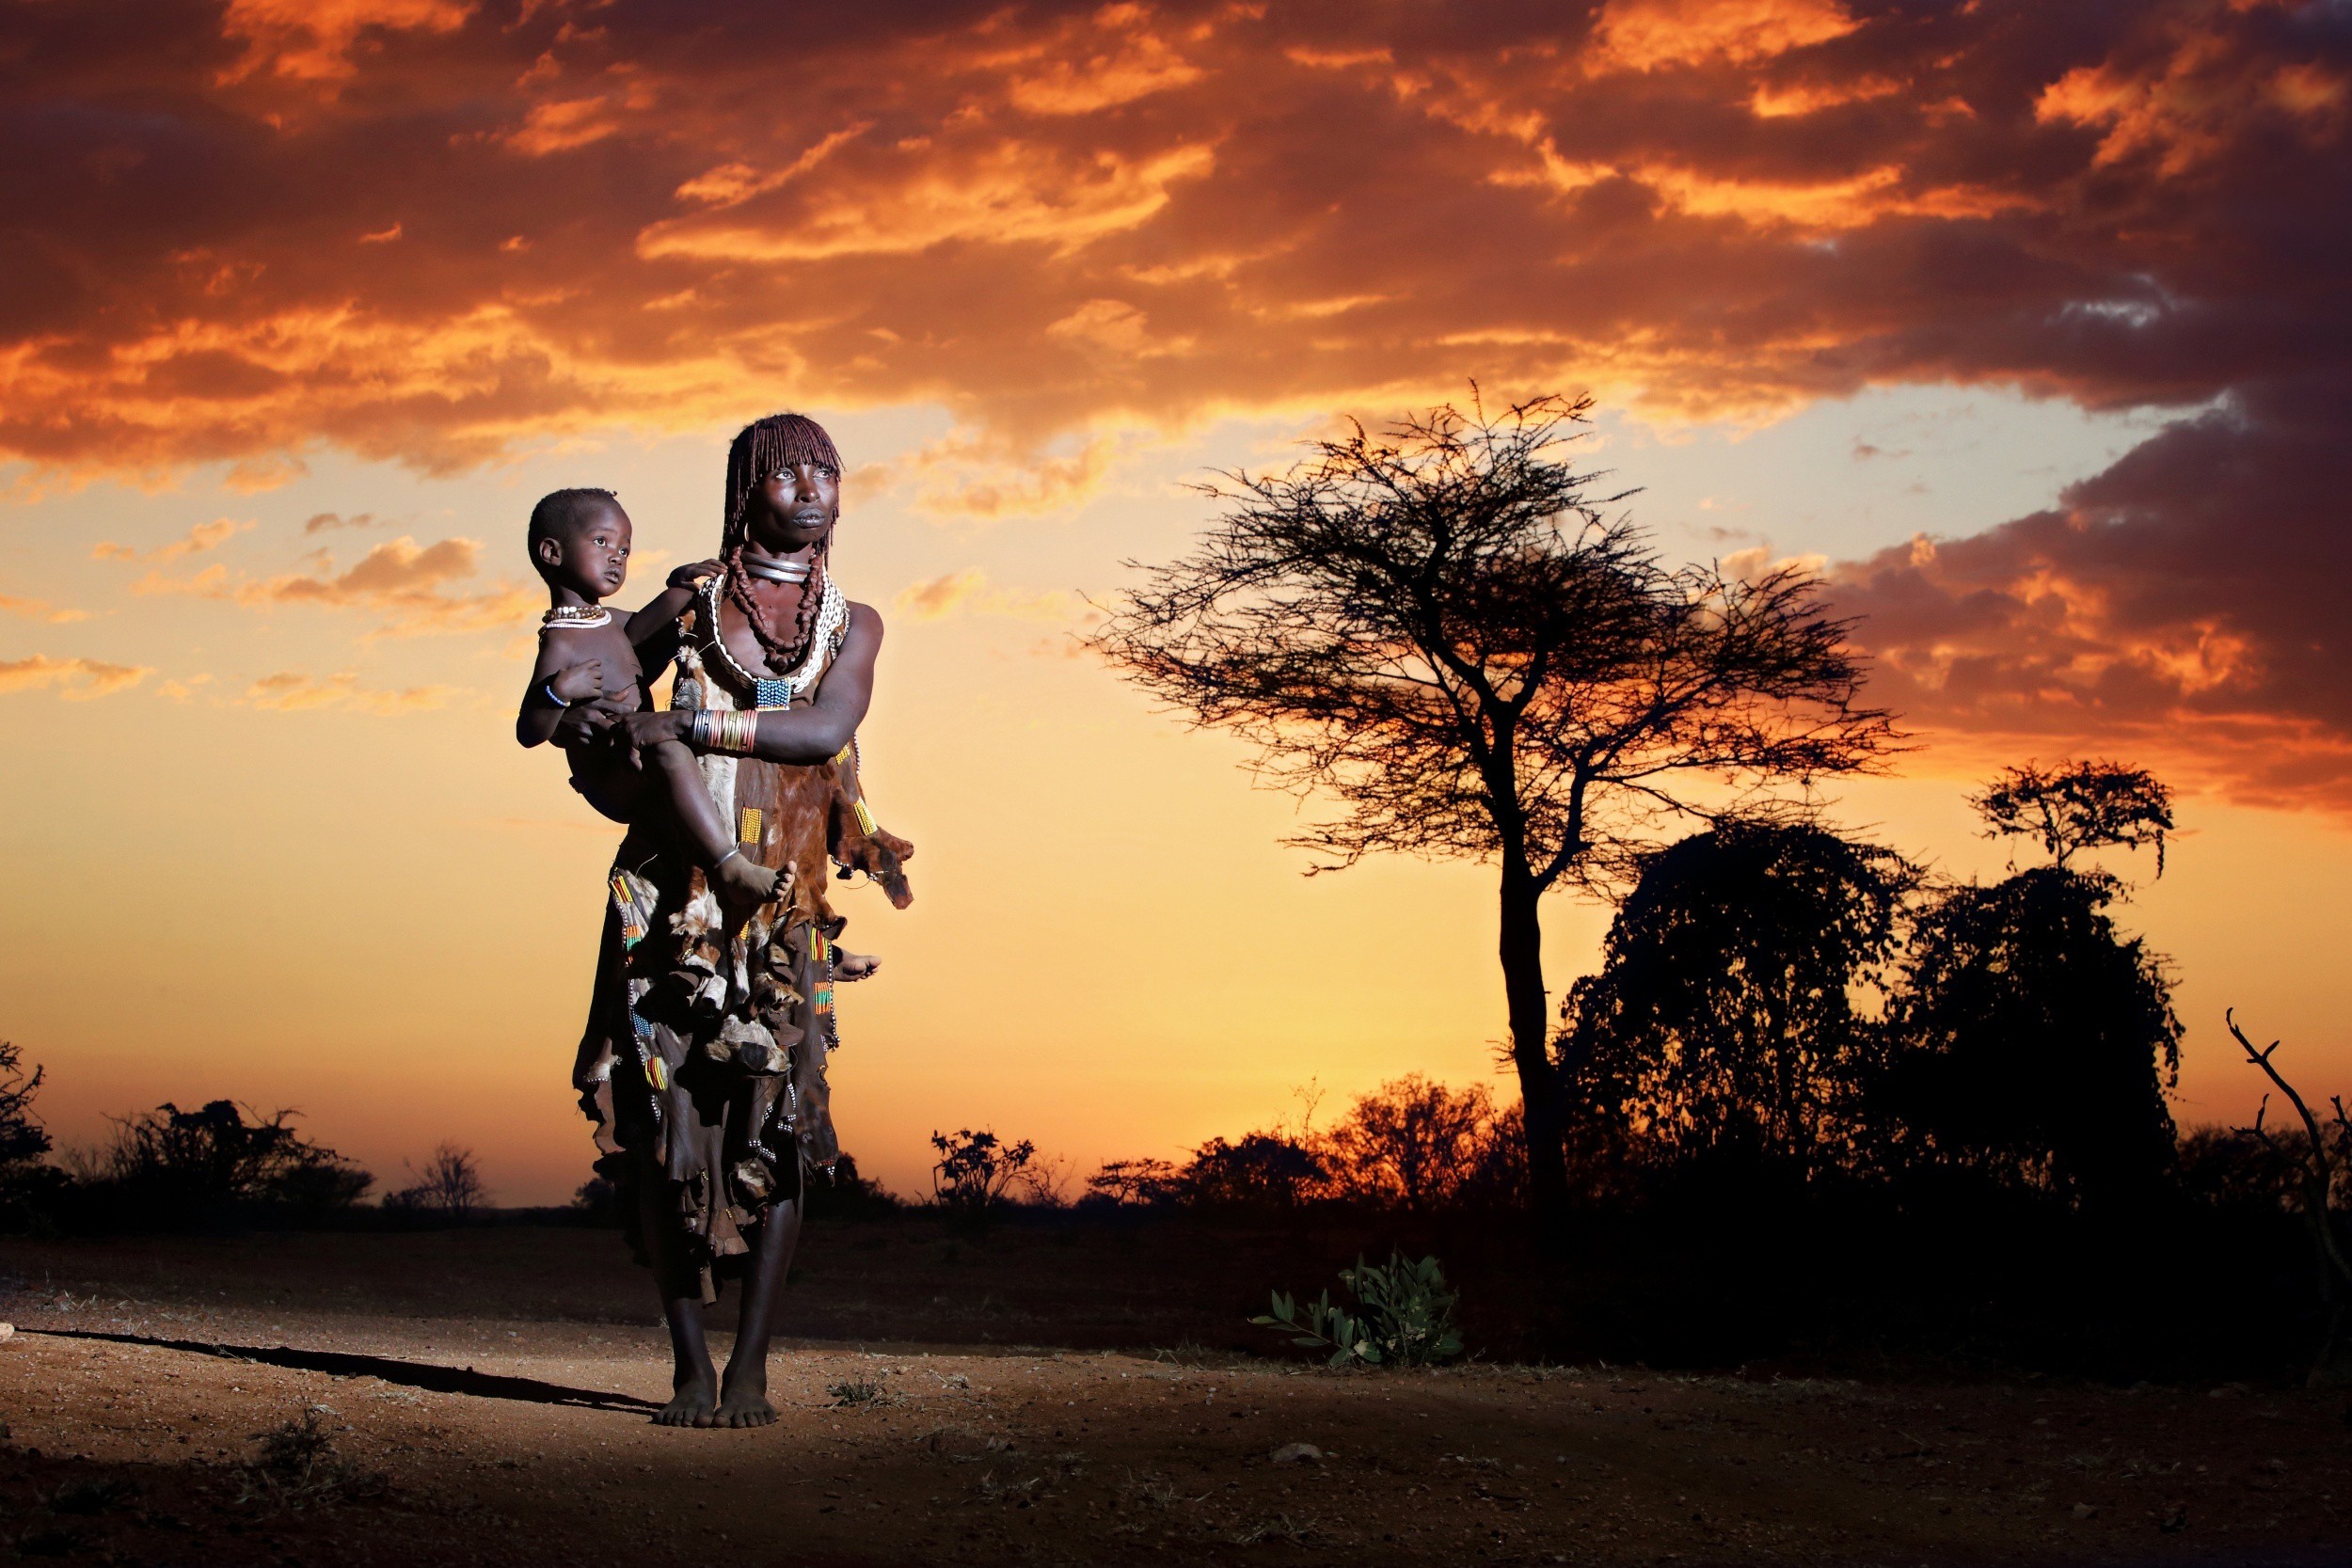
(550, 550)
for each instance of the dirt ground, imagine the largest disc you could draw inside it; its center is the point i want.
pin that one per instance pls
(485, 1393)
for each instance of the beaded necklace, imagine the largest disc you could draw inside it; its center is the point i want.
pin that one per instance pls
(782, 692)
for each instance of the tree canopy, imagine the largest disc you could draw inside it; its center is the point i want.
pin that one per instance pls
(1437, 629)
(1722, 1025)
(2077, 806)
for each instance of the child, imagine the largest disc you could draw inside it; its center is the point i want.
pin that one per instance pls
(590, 653)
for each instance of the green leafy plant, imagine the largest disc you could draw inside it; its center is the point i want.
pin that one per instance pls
(1402, 1316)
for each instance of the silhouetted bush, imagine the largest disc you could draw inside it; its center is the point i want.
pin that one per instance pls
(1721, 1033)
(170, 1169)
(2034, 1042)
(1413, 1145)
(844, 1194)
(29, 1188)
(1133, 1185)
(449, 1188)
(1263, 1170)
(974, 1175)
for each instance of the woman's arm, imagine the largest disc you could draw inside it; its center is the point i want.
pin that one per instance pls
(797, 734)
(653, 630)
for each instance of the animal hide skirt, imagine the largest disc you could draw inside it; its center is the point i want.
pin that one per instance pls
(703, 1068)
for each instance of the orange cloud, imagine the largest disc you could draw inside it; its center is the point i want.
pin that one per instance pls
(313, 40)
(2143, 612)
(1644, 35)
(409, 585)
(619, 224)
(602, 221)
(74, 679)
(2199, 97)
(1066, 223)
(291, 691)
(39, 610)
(199, 538)
(968, 592)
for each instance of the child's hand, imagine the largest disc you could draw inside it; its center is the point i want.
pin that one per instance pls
(579, 682)
(694, 572)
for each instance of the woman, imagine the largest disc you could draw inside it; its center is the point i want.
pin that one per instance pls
(704, 1061)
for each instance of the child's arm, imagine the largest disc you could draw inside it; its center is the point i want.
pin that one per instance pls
(653, 630)
(558, 673)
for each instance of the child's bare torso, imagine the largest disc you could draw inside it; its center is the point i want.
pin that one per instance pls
(599, 761)
(625, 687)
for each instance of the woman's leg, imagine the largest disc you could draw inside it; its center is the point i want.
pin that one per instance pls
(744, 1401)
(694, 1381)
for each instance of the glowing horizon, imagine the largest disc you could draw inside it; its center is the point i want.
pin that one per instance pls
(2017, 319)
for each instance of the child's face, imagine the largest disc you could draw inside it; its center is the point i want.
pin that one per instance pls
(592, 559)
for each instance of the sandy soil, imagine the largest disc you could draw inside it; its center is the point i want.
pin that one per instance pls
(487, 1395)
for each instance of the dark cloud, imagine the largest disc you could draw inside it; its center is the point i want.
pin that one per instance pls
(422, 229)
(2186, 603)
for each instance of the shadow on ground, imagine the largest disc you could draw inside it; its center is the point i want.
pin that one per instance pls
(408, 1374)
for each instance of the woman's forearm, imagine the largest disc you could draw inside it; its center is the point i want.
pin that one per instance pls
(799, 735)
(803, 734)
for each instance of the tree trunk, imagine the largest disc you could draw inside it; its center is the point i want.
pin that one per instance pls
(1522, 951)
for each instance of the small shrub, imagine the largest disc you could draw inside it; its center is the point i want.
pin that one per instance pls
(449, 1187)
(598, 1201)
(1135, 1183)
(1402, 1316)
(297, 1466)
(974, 1174)
(862, 1391)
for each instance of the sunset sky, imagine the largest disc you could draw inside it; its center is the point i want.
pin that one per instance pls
(2029, 323)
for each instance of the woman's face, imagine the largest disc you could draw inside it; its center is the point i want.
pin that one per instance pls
(794, 507)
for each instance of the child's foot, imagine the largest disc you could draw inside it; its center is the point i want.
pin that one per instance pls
(692, 1405)
(745, 1404)
(742, 883)
(849, 966)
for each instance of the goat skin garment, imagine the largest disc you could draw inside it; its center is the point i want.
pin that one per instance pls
(702, 1064)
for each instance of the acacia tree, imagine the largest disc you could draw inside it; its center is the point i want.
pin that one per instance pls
(2077, 806)
(1436, 628)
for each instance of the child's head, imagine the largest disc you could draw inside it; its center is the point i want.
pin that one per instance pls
(579, 539)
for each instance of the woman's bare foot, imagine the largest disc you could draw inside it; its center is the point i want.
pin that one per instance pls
(849, 966)
(742, 883)
(691, 1404)
(745, 1403)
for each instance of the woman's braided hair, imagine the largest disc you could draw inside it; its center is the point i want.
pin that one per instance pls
(759, 449)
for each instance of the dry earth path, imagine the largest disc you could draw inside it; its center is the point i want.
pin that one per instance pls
(134, 1420)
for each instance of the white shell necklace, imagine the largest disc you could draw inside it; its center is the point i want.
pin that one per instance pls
(782, 692)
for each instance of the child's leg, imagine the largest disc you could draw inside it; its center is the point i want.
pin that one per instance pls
(735, 877)
(607, 782)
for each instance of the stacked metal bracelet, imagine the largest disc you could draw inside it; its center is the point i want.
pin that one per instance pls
(726, 730)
